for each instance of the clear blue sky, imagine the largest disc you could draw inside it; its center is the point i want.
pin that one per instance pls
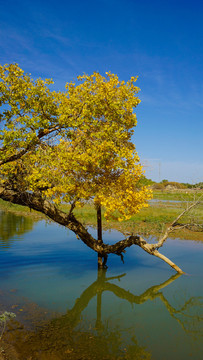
(160, 41)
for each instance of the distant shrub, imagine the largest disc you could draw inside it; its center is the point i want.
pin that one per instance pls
(158, 186)
(144, 181)
(164, 184)
(177, 185)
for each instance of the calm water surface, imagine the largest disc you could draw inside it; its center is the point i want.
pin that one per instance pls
(65, 309)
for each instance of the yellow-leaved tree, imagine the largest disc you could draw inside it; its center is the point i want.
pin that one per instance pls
(72, 146)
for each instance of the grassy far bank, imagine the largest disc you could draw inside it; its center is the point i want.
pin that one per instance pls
(149, 221)
(178, 195)
(20, 210)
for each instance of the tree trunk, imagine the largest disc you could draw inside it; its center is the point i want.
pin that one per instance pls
(99, 235)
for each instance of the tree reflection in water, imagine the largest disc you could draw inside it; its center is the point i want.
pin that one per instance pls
(12, 225)
(62, 337)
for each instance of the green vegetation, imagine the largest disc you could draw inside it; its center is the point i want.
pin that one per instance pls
(176, 195)
(169, 185)
(149, 221)
(20, 210)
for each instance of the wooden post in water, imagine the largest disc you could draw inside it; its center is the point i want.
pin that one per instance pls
(99, 234)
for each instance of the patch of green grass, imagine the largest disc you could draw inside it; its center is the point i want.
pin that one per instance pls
(178, 195)
(149, 221)
(86, 214)
(155, 219)
(19, 209)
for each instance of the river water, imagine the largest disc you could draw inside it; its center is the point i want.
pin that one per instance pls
(66, 309)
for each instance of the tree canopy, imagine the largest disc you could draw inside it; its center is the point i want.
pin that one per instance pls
(74, 145)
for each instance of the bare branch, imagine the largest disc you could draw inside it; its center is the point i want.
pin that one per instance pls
(138, 240)
(174, 225)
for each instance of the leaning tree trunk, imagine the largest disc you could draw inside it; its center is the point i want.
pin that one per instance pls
(99, 235)
(37, 202)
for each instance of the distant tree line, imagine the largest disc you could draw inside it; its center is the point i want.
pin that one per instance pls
(165, 183)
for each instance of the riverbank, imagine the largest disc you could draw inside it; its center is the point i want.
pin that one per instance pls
(153, 220)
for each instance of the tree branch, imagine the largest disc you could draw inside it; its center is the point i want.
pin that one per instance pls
(31, 145)
(174, 224)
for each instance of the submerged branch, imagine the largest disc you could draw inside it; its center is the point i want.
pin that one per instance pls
(149, 248)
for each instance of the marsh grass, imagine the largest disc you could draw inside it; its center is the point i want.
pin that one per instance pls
(20, 210)
(178, 195)
(154, 220)
(149, 221)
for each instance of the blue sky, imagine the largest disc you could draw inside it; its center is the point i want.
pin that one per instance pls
(160, 41)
